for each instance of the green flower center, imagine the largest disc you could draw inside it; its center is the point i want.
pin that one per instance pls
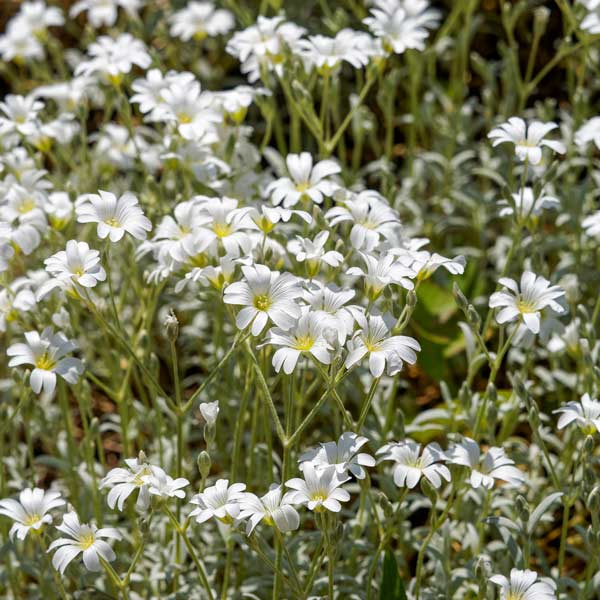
(262, 302)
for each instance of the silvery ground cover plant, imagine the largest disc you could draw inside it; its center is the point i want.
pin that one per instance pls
(300, 299)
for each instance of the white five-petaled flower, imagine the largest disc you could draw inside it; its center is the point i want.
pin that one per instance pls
(272, 508)
(527, 204)
(123, 482)
(265, 295)
(327, 53)
(344, 455)
(373, 339)
(381, 271)
(78, 265)
(114, 216)
(163, 485)
(528, 139)
(314, 253)
(402, 24)
(524, 585)
(304, 337)
(590, 130)
(526, 300)
(494, 464)
(319, 490)
(591, 224)
(113, 58)
(305, 181)
(411, 464)
(585, 413)
(83, 538)
(371, 218)
(104, 12)
(31, 511)
(199, 20)
(221, 501)
(46, 353)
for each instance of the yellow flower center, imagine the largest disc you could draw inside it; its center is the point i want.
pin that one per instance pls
(304, 343)
(113, 222)
(45, 363)
(526, 307)
(26, 206)
(32, 519)
(87, 540)
(222, 229)
(184, 118)
(302, 187)
(262, 302)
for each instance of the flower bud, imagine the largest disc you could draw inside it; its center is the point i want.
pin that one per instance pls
(386, 505)
(411, 299)
(459, 297)
(522, 507)
(473, 317)
(429, 491)
(171, 325)
(588, 445)
(204, 463)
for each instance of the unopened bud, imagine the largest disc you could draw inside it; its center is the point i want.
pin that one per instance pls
(429, 491)
(540, 19)
(459, 297)
(473, 317)
(204, 463)
(588, 445)
(483, 569)
(386, 506)
(209, 434)
(171, 325)
(411, 299)
(522, 507)
(465, 395)
(534, 417)
(492, 393)
(142, 458)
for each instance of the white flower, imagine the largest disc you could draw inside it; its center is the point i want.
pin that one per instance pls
(59, 208)
(163, 485)
(344, 455)
(31, 511)
(123, 482)
(114, 57)
(402, 24)
(328, 302)
(494, 464)
(263, 44)
(381, 271)
(16, 299)
(527, 300)
(269, 216)
(209, 411)
(149, 90)
(83, 538)
(306, 182)
(45, 353)
(6, 249)
(527, 204)
(585, 413)
(199, 20)
(528, 139)
(373, 339)
(327, 53)
(78, 265)
(313, 252)
(411, 464)
(524, 585)
(19, 114)
(114, 217)
(425, 264)
(37, 17)
(104, 12)
(265, 295)
(320, 489)
(591, 21)
(590, 130)
(371, 216)
(18, 44)
(221, 501)
(272, 508)
(591, 224)
(305, 336)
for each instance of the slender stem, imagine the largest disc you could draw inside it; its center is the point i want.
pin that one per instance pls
(367, 404)
(192, 552)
